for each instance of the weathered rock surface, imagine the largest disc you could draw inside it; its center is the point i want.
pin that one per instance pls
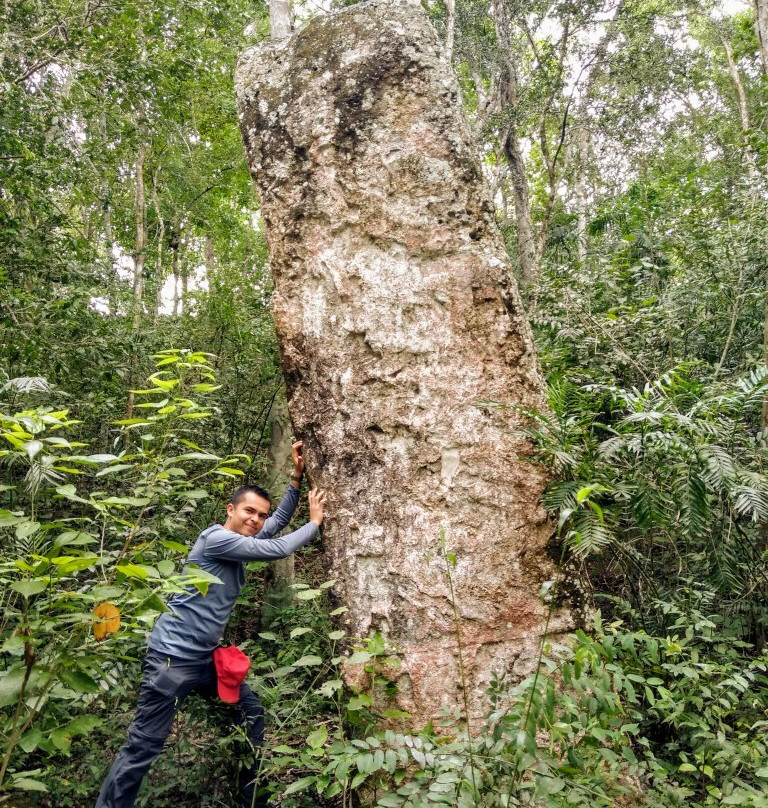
(387, 265)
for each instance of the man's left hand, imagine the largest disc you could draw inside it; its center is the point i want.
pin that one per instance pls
(298, 458)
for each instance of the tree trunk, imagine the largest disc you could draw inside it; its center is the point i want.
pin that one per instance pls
(280, 18)
(761, 24)
(139, 255)
(278, 592)
(508, 98)
(393, 332)
(582, 189)
(450, 27)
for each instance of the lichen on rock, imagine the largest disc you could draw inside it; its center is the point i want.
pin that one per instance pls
(405, 370)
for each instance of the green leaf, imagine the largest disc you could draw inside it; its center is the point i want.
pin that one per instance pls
(29, 587)
(330, 687)
(268, 635)
(390, 801)
(336, 635)
(78, 680)
(309, 594)
(70, 492)
(166, 567)
(112, 469)
(359, 702)
(327, 584)
(359, 657)
(75, 538)
(135, 501)
(307, 661)
(33, 448)
(133, 571)
(67, 564)
(298, 631)
(7, 519)
(27, 784)
(174, 545)
(82, 725)
(300, 785)
(25, 529)
(30, 741)
(10, 685)
(61, 740)
(107, 592)
(317, 738)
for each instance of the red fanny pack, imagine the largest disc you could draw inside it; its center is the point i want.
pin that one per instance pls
(232, 666)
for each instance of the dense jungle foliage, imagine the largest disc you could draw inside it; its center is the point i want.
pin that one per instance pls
(626, 146)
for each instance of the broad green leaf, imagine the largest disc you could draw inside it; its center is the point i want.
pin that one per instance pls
(67, 564)
(33, 448)
(298, 631)
(83, 724)
(107, 592)
(10, 685)
(7, 519)
(75, 538)
(309, 594)
(30, 587)
(330, 687)
(133, 571)
(78, 680)
(228, 472)
(336, 635)
(61, 740)
(28, 784)
(307, 661)
(24, 529)
(165, 384)
(300, 785)
(113, 469)
(359, 657)
(134, 501)
(268, 635)
(359, 702)
(317, 738)
(70, 492)
(32, 738)
(194, 456)
(174, 545)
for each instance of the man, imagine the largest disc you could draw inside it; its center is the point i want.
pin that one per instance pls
(179, 659)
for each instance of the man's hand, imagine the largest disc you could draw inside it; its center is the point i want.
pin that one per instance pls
(298, 463)
(316, 506)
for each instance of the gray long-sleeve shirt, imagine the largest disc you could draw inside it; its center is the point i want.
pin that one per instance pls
(195, 623)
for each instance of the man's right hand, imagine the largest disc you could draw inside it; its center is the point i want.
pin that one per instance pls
(316, 506)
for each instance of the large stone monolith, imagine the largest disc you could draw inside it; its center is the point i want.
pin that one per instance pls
(394, 336)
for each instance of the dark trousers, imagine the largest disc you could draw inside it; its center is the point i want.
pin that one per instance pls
(167, 682)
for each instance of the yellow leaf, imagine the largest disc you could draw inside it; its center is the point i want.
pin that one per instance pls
(109, 620)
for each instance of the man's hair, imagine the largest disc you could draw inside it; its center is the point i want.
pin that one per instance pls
(249, 489)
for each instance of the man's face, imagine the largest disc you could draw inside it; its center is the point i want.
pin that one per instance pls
(248, 516)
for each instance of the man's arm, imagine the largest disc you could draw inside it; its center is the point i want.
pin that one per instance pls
(284, 511)
(227, 544)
